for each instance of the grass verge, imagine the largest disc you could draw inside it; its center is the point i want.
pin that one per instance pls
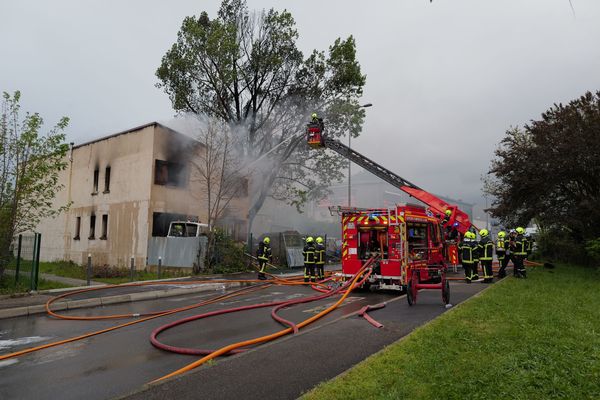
(537, 338)
(8, 286)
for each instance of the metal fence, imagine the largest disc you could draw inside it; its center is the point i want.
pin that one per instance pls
(26, 251)
(177, 251)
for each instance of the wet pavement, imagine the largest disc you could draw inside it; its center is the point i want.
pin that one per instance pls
(119, 362)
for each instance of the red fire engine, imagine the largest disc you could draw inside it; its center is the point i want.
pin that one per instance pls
(408, 239)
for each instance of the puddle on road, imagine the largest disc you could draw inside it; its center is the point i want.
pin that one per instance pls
(10, 343)
(318, 309)
(6, 363)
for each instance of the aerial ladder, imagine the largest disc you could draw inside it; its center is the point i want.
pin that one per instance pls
(317, 139)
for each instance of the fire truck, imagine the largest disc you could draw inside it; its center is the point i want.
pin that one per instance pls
(408, 239)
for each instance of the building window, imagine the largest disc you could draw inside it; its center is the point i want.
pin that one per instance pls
(170, 173)
(96, 175)
(92, 227)
(77, 228)
(104, 227)
(241, 188)
(107, 180)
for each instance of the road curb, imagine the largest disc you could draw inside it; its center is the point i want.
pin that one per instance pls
(121, 298)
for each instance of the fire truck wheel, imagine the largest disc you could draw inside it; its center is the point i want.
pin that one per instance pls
(411, 294)
(446, 292)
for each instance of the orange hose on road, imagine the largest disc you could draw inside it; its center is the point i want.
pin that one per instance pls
(86, 335)
(265, 338)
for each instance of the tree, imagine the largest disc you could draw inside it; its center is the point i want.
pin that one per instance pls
(245, 69)
(550, 170)
(217, 169)
(29, 168)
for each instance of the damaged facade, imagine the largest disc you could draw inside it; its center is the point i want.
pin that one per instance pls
(124, 189)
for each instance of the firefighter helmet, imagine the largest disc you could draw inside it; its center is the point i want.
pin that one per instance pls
(266, 240)
(520, 230)
(483, 233)
(501, 234)
(448, 212)
(469, 235)
(309, 239)
(319, 239)
(314, 116)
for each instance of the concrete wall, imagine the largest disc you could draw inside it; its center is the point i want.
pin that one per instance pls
(131, 200)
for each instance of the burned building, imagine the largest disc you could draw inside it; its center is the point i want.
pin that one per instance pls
(122, 190)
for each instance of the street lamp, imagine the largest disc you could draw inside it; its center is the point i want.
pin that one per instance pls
(350, 162)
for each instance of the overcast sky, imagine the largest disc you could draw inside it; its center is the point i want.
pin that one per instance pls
(446, 78)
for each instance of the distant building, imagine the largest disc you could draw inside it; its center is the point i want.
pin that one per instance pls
(124, 189)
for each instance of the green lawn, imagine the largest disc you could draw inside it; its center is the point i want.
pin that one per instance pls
(7, 285)
(536, 338)
(102, 274)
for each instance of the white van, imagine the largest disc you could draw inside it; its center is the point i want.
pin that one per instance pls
(187, 229)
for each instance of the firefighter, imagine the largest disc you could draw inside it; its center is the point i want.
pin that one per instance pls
(520, 254)
(466, 255)
(529, 244)
(447, 215)
(501, 245)
(309, 259)
(320, 258)
(476, 254)
(486, 251)
(263, 254)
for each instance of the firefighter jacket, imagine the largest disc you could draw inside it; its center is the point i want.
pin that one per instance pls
(476, 252)
(320, 253)
(501, 249)
(309, 253)
(486, 249)
(529, 245)
(520, 246)
(467, 247)
(263, 252)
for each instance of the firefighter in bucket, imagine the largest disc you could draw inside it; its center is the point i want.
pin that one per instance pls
(314, 131)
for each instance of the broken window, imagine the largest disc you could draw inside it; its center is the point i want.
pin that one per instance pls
(92, 227)
(77, 228)
(104, 226)
(170, 173)
(96, 175)
(107, 180)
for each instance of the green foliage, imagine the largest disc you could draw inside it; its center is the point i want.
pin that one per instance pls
(29, 166)
(245, 69)
(228, 255)
(550, 170)
(522, 339)
(9, 287)
(592, 248)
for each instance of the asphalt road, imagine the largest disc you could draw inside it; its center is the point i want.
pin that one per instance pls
(120, 362)
(289, 367)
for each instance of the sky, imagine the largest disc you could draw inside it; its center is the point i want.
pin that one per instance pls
(446, 78)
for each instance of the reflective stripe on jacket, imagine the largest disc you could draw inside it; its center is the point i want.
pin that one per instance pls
(487, 249)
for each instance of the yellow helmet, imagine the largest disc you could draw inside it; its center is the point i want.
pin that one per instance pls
(319, 239)
(483, 233)
(266, 240)
(448, 212)
(314, 115)
(309, 239)
(501, 234)
(472, 235)
(520, 230)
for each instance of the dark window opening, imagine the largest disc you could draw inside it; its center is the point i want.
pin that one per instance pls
(104, 226)
(96, 175)
(92, 227)
(170, 173)
(107, 180)
(242, 188)
(161, 221)
(77, 228)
